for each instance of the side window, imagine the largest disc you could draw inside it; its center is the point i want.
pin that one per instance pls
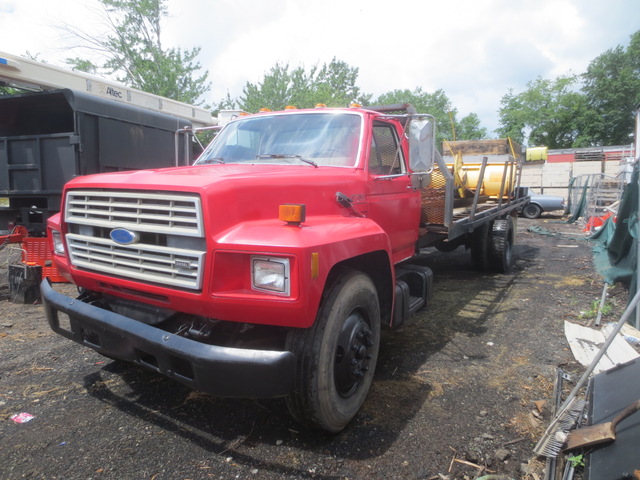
(386, 158)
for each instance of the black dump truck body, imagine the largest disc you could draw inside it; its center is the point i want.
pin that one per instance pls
(47, 138)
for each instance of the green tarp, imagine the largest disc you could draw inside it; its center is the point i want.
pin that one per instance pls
(616, 243)
(581, 204)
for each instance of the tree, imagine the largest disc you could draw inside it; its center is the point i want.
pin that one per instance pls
(82, 65)
(438, 105)
(469, 128)
(612, 88)
(594, 108)
(338, 77)
(274, 92)
(227, 103)
(548, 112)
(133, 52)
(335, 85)
(513, 120)
(332, 84)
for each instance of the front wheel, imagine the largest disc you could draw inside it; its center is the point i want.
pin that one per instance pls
(336, 356)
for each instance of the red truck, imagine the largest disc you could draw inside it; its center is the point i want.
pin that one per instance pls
(267, 268)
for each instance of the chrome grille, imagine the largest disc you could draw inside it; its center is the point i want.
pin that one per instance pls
(167, 266)
(169, 257)
(168, 213)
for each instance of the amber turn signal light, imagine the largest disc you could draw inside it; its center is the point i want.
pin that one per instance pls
(293, 214)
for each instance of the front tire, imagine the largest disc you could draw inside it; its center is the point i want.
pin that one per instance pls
(336, 356)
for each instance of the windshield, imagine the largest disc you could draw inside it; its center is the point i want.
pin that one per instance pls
(317, 139)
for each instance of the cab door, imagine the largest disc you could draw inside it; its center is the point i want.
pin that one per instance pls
(393, 203)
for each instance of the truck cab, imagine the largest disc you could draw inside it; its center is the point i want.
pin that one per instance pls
(235, 275)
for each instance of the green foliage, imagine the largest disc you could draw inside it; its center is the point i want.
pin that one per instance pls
(436, 103)
(9, 91)
(81, 65)
(607, 309)
(332, 84)
(612, 88)
(551, 111)
(134, 53)
(595, 108)
(469, 128)
(226, 103)
(576, 460)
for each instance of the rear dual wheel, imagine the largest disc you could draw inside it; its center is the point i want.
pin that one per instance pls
(480, 247)
(501, 245)
(492, 246)
(336, 356)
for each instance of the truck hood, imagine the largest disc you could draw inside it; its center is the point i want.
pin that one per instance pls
(203, 176)
(235, 193)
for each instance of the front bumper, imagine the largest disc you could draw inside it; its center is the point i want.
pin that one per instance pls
(220, 371)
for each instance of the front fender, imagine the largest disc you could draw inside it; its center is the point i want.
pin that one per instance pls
(54, 221)
(337, 238)
(313, 248)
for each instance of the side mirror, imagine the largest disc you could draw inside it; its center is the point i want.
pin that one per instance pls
(422, 145)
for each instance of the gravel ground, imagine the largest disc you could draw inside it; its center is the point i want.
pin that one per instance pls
(453, 395)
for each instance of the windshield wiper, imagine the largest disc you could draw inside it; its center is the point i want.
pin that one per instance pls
(212, 160)
(287, 155)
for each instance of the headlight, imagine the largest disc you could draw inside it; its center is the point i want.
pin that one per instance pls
(270, 274)
(58, 243)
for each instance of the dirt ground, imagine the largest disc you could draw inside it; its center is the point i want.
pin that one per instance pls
(453, 395)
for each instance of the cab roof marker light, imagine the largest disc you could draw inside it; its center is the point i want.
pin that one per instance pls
(292, 214)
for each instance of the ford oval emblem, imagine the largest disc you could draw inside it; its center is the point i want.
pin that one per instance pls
(124, 236)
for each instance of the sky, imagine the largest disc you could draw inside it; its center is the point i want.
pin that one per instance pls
(474, 50)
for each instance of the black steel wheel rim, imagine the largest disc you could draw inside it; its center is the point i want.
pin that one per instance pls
(353, 352)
